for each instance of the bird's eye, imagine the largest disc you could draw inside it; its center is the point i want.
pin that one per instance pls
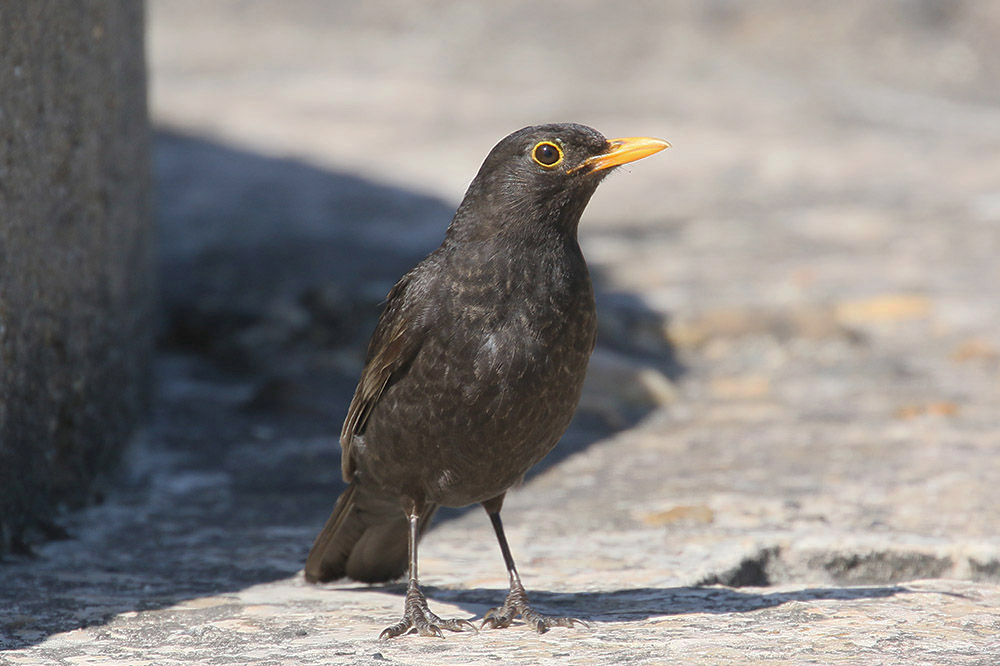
(547, 154)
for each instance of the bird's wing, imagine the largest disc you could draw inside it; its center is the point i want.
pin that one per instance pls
(393, 345)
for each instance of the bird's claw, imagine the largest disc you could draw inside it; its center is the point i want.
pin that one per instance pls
(543, 623)
(458, 625)
(496, 618)
(418, 617)
(516, 604)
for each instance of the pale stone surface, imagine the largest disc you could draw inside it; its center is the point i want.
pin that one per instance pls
(807, 280)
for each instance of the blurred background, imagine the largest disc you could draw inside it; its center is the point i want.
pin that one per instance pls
(822, 153)
(813, 265)
(797, 378)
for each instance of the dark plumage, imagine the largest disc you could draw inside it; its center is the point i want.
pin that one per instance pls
(475, 367)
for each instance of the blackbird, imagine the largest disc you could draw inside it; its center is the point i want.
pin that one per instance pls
(475, 367)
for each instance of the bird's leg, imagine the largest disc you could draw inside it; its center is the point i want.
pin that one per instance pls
(416, 615)
(516, 602)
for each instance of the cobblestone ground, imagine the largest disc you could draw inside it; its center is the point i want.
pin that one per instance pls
(787, 449)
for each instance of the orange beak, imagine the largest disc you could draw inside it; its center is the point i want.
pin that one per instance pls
(623, 151)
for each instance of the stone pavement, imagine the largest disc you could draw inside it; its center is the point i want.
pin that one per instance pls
(787, 449)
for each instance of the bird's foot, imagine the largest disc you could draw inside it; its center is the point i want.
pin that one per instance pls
(516, 604)
(418, 617)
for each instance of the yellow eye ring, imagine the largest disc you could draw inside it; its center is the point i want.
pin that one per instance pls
(547, 154)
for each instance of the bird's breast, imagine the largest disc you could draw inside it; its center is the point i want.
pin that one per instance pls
(493, 386)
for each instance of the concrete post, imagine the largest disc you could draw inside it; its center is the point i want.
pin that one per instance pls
(76, 264)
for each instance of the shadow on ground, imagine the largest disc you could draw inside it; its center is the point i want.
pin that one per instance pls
(642, 603)
(272, 272)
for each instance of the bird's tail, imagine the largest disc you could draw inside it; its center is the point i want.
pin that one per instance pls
(365, 538)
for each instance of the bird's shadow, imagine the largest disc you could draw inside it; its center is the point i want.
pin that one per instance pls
(642, 603)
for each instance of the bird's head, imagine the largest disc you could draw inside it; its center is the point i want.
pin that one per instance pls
(542, 177)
